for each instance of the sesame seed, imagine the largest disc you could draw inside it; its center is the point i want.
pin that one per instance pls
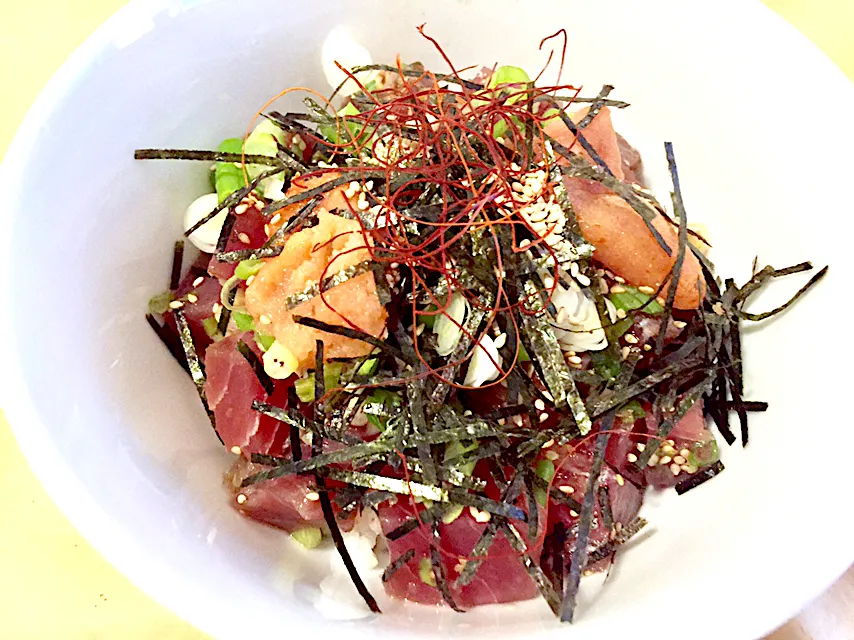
(675, 469)
(661, 301)
(243, 238)
(624, 352)
(539, 404)
(632, 457)
(517, 420)
(216, 308)
(689, 468)
(566, 489)
(236, 450)
(641, 447)
(176, 304)
(241, 498)
(192, 297)
(618, 289)
(631, 339)
(198, 281)
(653, 460)
(679, 460)
(620, 480)
(250, 280)
(575, 359)
(665, 460)
(647, 290)
(672, 443)
(679, 324)
(668, 450)
(312, 496)
(647, 347)
(573, 513)
(621, 314)
(583, 280)
(552, 455)
(241, 209)
(264, 319)
(275, 219)
(500, 340)
(483, 517)
(619, 279)
(685, 453)
(363, 204)
(548, 443)
(369, 185)
(544, 416)
(419, 329)
(718, 308)
(548, 282)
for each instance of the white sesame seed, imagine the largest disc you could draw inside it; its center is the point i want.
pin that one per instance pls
(483, 517)
(275, 219)
(517, 420)
(624, 352)
(647, 347)
(241, 209)
(631, 339)
(689, 468)
(369, 185)
(192, 298)
(665, 460)
(621, 314)
(250, 280)
(548, 282)
(236, 450)
(363, 204)
(312, 496)
(641, 447)
(243, 238)
(632, 457)
(566, 489)
(176, 304)
(198, 281)
(552, 455)
(668, 450)
(548, 443)
(583, 280)
(575, 359)
(679, 324)
(619, 279)
(573, 513)
(264, 319)
(241, 498)
(543, 417)
(685, 453)
(500, 340)
(679, 460)
(618, 289)
(647, 290)
(675, 469)
(672, 443)
(620, 480)
(539, 404)
(653, 460)
(216, 307)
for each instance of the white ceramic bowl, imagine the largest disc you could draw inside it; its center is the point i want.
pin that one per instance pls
(761, 125)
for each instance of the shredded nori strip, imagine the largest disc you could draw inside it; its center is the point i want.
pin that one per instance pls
(756, 317)
(195, 365)
(225, 313)
(667, 425)
(329, 185)
(605, 512)
(544, 585)
(427, 516)
(206, 156)
(257, 366)
(439, 568)
(169, 340)
(398, 564)
(238, 255)
(314, 289)
(596, 106)
(700, 477)
(579, 555)
(296, 221)
(608, 548)
(355, 334)
(177, 263)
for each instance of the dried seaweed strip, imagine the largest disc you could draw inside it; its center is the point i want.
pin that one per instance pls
(700, 477)
(257, 366)
(604, 498)
(225, 312)
(169, 340)
(195, 365)
(585, 144)
(579, 556)
(666, 426)
(626, 533)
(177, 263)
(438, 568)
(397, 564)
(314, 289)
(329, 185)
(544, 585)
(676, 269)
(478, 553)
(757, 317)
(426, 516)
(596, 106)
(293, 224)
(238, 255)
(622, 396)
(533, 508)
(355, 334)
(206, 156)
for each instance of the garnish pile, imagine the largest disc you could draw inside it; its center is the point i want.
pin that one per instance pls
(453, 304)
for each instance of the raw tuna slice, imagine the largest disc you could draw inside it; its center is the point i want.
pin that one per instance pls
(231, 387)
(500, 578)
(249, 226)
(631, 162)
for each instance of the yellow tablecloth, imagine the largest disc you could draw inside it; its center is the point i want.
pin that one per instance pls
(52, 583)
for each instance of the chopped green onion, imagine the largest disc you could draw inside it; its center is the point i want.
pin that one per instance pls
(508, 75)
(228, 178)
(160, 302)
(523, 353)
(305, 386)
(545, 469)
(452, 513)
(605, 365)
(456, 448)
(309, 537)
(248, 268)
(704, 454)
(631, 298)
(425, 572)
(631, 411)
(380, 406)
(369, 367)
(264, 341)
(243, 321)
(210, 327)
(359, 133)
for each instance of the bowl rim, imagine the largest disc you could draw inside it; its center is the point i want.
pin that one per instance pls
(156, 578)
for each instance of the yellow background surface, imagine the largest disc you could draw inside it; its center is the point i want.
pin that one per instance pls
(52, 583)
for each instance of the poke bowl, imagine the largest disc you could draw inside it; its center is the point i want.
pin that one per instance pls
(112, 424)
